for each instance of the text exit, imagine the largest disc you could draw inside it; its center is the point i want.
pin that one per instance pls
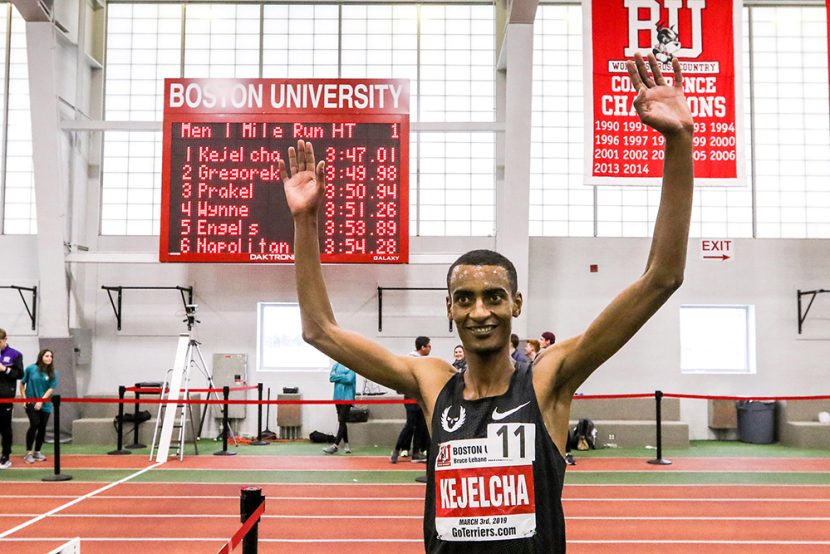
(716, 250)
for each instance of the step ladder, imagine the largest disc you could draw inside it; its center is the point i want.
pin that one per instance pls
(183, 415)
(172, 413)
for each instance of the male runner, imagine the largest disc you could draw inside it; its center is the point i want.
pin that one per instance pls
(495, 467)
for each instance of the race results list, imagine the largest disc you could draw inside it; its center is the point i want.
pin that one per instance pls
(225, 199)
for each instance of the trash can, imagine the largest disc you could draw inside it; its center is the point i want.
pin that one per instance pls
(756, 421)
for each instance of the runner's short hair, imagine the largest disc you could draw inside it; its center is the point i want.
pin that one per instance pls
(487, 257)
(420, 342)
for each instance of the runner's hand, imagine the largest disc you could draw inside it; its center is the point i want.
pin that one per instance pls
(660, 106)
(306, 184)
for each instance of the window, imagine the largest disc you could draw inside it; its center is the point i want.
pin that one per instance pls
(717, 339)
(221, 41)
(143, 48)
(784, 66)
(280, 344)
(19, 213)
(792, 139)
(446, 51)
(299, 41)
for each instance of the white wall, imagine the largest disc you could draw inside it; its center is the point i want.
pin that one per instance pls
(19, 268)
(563, 296)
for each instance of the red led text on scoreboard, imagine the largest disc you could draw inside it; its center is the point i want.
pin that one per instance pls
(223, 197)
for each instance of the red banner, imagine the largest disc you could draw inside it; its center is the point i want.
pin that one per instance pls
(704, 36)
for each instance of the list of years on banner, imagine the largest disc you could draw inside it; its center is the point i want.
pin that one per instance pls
(227, 199)
(623, 146)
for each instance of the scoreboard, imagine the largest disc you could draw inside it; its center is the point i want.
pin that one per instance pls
(222, 195)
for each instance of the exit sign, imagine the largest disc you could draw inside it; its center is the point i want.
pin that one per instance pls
(716, 250)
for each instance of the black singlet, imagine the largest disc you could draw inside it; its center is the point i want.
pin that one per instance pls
(490, 489)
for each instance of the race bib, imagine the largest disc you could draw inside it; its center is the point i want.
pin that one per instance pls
(484, 487)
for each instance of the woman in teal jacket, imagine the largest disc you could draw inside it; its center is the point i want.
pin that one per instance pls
(344, 385)
(39, 382)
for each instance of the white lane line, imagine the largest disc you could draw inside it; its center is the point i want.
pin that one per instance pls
(223, 497)
(77, 500)
(683, 499)
(275, 483)
(706, 485)
(420, 517)
(781, 543)
(694, 518)
(207, 539)
(412, 498)
(110, 539)
(396, 541)
(669, 541)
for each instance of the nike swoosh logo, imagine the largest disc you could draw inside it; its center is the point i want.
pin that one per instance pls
(498, 416)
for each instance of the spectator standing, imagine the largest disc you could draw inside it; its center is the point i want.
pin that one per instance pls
(460, 361)
(415, 429)
(344, 389)
(39, 383)
(514, 350)
(532, 349)
(11, 369)
(547, 339)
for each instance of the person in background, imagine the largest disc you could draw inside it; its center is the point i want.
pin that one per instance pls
(415, 429)
(460, 362)
(547, 339)
(514, 350)
(344, 388)
(39, 383)
(532, 349)
(11, 369)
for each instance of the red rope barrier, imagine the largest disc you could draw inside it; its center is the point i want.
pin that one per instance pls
(607, 396)
(248, 387)
(214, 401)
(26, 400)
(158, 390)
(757, 398)
(152, 390)
(369, 401)
(240, 534)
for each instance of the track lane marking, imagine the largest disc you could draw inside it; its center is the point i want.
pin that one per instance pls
(418, 498)
(393, 541)
(419, 517)
(54, 511)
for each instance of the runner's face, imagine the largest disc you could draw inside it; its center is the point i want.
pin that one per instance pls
(482, 306)
(458, 353)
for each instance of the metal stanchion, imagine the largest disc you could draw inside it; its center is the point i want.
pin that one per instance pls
(259, 441)
(119, 448)
(56, 404)
(250, 499)
(659, 460)
(136, 424)
(226, 391)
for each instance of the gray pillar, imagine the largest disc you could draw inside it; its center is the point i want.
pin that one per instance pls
(63, 349)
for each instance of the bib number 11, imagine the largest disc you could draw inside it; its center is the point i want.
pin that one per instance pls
(511, 441)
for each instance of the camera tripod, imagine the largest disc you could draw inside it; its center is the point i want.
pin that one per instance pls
(176, 387)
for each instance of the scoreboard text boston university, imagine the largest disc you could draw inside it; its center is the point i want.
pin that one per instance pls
(222, 196)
